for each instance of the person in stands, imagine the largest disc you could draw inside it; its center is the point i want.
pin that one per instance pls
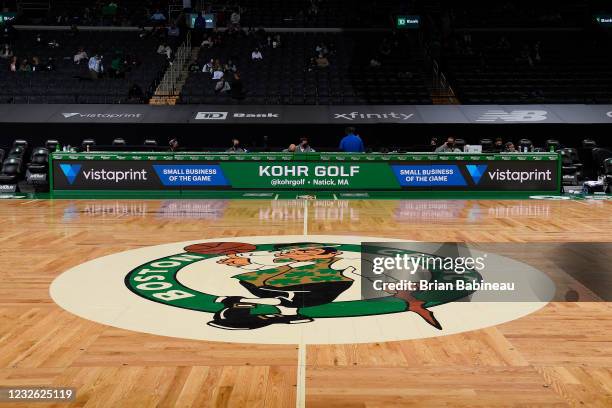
(304, 146)
(351, 142)
(256, 55)
(236, 147)
(448, 146)
(290, 149)
(81, 55)
(95, 67)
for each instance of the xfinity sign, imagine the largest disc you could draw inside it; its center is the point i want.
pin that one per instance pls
(357, 115)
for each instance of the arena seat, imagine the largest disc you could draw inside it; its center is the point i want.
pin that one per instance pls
(286, 77)
(40, 161)
(52, 145)
(607, 173)
(551, 145)
(11, 171)
(70, 82)
(150, 142)
(17, 152)
(487, 145)
(600, 155)
(20, 143)
(569, 171)
(37, 171)
(589, 143)
(576, 161)
(460, 144)
(525, 145)
(119, 141)
(87, 144)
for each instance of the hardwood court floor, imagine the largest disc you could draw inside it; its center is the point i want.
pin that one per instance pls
(558, 356)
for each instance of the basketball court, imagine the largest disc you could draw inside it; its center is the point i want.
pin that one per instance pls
(120, 300)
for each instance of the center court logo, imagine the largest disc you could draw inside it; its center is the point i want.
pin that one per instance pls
(277, 289)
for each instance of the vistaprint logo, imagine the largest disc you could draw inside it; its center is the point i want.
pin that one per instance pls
(68, 115)
(71, 171)
(507, 175)
(609, 114)
(476, 171)
(389, 115)
(513, 116)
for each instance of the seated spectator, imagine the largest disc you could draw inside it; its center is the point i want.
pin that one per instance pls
(217, 73)
(448, 146)
(235, 19)
(351, 142)
(50, 65)
(95, 67)
(6, 52)
(230, 66)
(256, 55)
(236, 147)
(13, 64)
(164, 49)
(36, 66)
(208, 42)
(173, 30)
(174, 145)
(509, 148)
(222, 86)
(304, 146)
(498, 145)
(321, 49)
(81, 55)
(208, 67)
(158, 17)
(290, 149)
(25, 66)
(135, 94)
(374, 63)
(322, 61)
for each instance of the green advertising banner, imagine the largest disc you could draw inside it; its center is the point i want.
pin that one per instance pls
(326, 172)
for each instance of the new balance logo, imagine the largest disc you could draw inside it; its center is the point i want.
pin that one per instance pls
(71, 171)
(513, 116)
(69, 115)
(476, 171)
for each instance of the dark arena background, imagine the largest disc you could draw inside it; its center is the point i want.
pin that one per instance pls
(321, 203)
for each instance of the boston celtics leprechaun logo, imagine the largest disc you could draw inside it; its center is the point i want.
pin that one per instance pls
(279, 290)
(288, 283)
